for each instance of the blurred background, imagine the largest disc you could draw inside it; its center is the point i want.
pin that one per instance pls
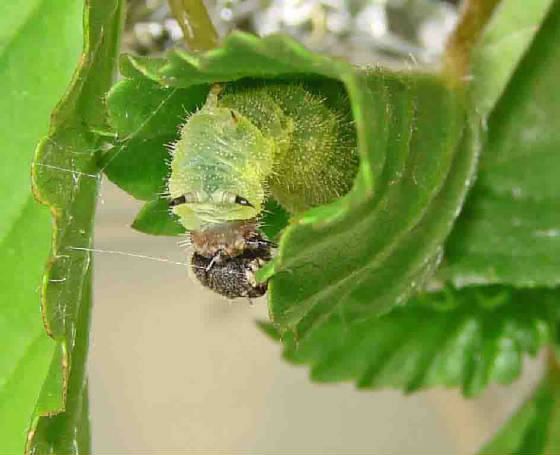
(360, 31)
(175, 369)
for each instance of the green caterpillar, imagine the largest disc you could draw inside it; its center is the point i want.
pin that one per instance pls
(248, 143)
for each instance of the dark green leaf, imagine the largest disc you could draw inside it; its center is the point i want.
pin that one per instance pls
(509, 230)
(66, 177)
(368, 251)
(40, 43)
(467, 338)
(146, 118)
(155, 218)
(274, 220)
(128, 165)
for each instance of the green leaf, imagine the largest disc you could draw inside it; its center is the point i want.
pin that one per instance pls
(68, 431)
(467, 338)
(509, 230)
(506, 37)
(535, 428)
(369, 250)
(145, 117)
(39, 47)
(25, 350)
(155, 218)
(65, 177)
(30, 92)
(274, 219)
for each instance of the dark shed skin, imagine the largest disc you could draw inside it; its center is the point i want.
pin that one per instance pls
(234, 276)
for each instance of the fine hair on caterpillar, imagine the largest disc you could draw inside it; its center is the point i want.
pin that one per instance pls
(249, 142)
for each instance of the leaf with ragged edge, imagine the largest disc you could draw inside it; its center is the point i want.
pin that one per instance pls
(29, 93)
(367, 251)
(65, 178)
(534, 428)
(509, 230)
(465, 339)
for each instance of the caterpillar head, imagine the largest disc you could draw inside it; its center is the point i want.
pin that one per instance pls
(197, 208)
(218, 169)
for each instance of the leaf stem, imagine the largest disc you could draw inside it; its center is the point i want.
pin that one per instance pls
(198, 30)
(553, 366)
(458, 51)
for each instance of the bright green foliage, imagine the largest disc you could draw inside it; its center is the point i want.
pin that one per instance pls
(417, 152)
(25, 351)
(464, 339)
(65, 178)
(49, 35)
(29, 95)
(509, 230)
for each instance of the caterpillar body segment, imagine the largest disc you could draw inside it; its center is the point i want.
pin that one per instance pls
(221, 155)
(315, 156)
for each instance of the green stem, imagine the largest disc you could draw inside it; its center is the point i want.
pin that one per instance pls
(198, 30)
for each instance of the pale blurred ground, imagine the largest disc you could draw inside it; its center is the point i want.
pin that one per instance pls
(174, 369)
